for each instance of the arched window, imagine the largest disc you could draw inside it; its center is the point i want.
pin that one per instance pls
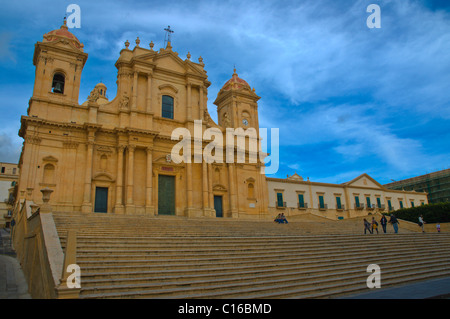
(167, 107)
(58, 83)
(49, 174)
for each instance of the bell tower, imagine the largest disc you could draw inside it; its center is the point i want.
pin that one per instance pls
(237, 104)
(59, 60)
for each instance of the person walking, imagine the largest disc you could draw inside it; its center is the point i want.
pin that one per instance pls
(393, 220)
(438, 227)
(421, 223)
(367, 227)
(374, 225)
(383, 222)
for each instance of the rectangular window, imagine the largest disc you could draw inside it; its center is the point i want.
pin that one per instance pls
(412, 203)
(357, 201)
(338, 202)
(301, 201)
(389, 204)
(279, 199)
(401, 203)
(167, 107)
(321, 202)
(368, 202)
(14, 170)
(378, 202)
(3, 170)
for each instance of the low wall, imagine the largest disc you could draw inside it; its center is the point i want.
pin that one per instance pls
(429, 228)
(39, 252)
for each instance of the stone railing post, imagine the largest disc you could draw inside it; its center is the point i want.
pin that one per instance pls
(46, 208)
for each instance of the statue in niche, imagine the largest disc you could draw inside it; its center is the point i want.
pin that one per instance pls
(225, 120)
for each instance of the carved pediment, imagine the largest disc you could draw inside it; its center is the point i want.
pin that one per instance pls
(364, 180)
(168, 87)
(50, 159)
(104, 177)
(219, 188)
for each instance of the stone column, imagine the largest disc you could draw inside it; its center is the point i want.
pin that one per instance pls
(205, 188)
(189, 207)
(149, 93)
(130, 179)
(210, 191)
(118, 209)
(135, 87)
(149, 209)
(201, 102)
(87, 205)
(188, 102)
(232, 188)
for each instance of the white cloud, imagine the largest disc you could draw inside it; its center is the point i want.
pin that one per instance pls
(6, 53)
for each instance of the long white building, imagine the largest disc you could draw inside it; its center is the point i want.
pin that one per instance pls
(358, 197)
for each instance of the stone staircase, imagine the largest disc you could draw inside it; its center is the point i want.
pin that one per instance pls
(175, 257)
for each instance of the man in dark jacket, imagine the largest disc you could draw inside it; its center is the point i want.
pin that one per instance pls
(394, 223)
(383, 222)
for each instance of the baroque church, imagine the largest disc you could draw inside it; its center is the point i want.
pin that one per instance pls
(115, 156)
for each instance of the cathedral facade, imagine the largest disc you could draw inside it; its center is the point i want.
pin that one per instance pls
(115, 156)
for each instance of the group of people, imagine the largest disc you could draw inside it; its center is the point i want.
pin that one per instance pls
(373, 226)
(281, 219)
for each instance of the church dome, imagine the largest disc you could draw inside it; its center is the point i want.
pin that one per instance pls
(235, 83)
(64, 35)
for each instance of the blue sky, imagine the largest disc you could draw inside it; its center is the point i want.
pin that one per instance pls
(347, 99)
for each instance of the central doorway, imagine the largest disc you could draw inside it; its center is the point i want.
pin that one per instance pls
(218, 206)
(101, 200)
(166, 195)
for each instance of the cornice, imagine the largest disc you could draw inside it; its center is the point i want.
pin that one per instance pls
(281, 180)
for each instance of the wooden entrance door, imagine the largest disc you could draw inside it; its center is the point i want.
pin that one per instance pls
(101, 200)
(218, 206)
(166, 195)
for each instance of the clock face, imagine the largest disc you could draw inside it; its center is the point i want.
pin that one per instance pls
(245, 122)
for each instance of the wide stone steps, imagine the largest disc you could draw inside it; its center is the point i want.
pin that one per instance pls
(152, 257)
(270, 287)
(219, 256)
(178, 226)
(269, 268)
(114, 267)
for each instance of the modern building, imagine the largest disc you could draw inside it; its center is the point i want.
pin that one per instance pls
(9, 175)
(436, 184)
